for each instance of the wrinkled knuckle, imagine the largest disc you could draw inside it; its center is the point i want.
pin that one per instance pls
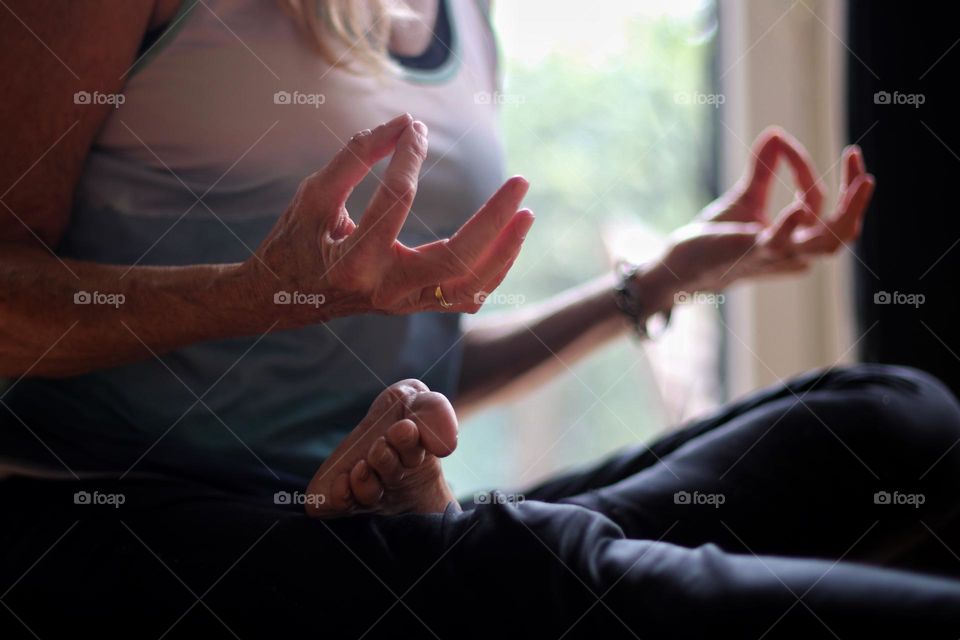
(419, 148)
(402, 188)
(324, 183)
(313, 187)
(312, 180)
(360, 139)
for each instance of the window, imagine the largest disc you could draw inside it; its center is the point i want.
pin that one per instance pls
(607, 111)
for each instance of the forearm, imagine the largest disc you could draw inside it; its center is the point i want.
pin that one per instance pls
(59, 319)
(511, 352)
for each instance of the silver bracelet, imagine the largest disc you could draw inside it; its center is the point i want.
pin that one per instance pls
(633, 307)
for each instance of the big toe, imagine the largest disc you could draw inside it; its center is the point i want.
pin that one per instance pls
(436, 422)
(391, 403)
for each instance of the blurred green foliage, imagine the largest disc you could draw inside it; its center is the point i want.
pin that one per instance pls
(614, 138)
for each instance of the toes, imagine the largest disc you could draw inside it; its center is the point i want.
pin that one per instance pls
(365, 485)
(341, 497)
(391, 403)
(336, 498)
(404, 438)
(436, 421)
(412, 384)
(386, 462)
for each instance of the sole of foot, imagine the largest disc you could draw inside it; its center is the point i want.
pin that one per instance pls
(390, 463)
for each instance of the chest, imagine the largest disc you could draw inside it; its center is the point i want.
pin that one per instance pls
(237, 98)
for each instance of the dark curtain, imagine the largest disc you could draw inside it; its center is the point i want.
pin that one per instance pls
(903, 96)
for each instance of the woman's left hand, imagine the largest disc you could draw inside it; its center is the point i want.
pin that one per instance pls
(735, 238)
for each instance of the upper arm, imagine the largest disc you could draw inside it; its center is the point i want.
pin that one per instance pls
(51, 50)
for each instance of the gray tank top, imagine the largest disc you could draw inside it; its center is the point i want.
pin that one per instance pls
(228, 111)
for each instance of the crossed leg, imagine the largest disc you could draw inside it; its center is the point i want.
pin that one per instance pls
(803, 469)
(604, 564)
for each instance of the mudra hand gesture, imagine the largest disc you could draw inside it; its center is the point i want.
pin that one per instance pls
(362, 267)
(735, 237)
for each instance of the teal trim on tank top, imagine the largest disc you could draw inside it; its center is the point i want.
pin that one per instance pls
(485, 9)
(450, 66)
(165, 38)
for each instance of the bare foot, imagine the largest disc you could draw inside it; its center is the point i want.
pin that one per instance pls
(391, 462)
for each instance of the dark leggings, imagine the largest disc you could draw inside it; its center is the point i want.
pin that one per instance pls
(826, 507)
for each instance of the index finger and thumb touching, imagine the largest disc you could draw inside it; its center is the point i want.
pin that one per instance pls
(773, 143)
(353, 162)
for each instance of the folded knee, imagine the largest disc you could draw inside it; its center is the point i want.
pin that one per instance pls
(911, 414)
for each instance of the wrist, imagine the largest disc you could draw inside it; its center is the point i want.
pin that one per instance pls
(643, 293)
(272, 301)
(655, 285)
(239, 290)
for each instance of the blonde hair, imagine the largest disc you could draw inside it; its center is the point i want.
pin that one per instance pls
(349, 31)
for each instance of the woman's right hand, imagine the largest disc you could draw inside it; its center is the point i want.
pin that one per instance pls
(338, 267)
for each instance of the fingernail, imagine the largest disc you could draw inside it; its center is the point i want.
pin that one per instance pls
(402, 119)
(524, 228)
(364, 470)
(347, 495)
(420, 128)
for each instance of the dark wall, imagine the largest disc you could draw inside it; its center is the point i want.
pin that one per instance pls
(911, 237)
